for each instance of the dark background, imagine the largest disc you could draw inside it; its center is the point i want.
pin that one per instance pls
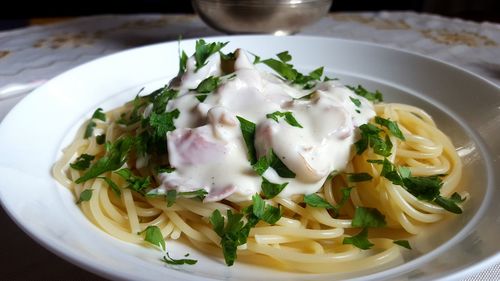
(16, 13)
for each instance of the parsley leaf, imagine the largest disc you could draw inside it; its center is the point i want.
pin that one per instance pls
(270, 190)
(115, 157)
(287, 115)
(314, 200)
(89, 129)
(99, 115)
(360, 91)
(284, 69)
(368, 217)
(284, 56)
(114, 187)
(424, 188)
(235, 232)
(171, 197)
(85, 196)
(136, 183)
(168, 260)
(82, 162)
(359, 177)
(163, 122)
(359, 240)
(265, 212)
(448, 204)
(289, 73)
(403, 243)
(100, 139)
(161, 97)
(346, 193)
(217, 222)
(206, 86)
(182, 62)
(153, 235)
(230, 238)
(391, 125)
(248, 132)
(273, 161)
(165, 169)
(370, 137)
(204, 50)
(356, 102)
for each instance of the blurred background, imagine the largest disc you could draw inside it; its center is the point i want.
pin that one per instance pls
(21, 13)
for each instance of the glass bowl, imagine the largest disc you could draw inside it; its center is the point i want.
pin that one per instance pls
(279, 17)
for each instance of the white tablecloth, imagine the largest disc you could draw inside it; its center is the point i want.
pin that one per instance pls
(35, 54)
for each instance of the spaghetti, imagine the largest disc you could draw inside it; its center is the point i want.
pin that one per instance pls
(411, 184)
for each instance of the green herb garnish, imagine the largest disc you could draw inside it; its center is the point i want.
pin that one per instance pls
(169, 260)
(403, 243)
(270, 190)
(82, 162)
(153, 236)
(272, 160)
(288, 116)
(359, 240)
(85, 196)
(115, 157)
(248, 132)
(204, 50)
(371, 96)
(368, 217)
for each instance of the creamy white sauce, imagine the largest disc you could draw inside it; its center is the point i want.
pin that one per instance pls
(207, 148)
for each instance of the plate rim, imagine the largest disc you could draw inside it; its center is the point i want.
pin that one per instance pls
(87, 264)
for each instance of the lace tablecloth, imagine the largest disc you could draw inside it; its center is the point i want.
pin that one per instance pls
(32, 55)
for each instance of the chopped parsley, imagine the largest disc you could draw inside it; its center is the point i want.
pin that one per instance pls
(206, 86)
(235, 231)
(82, 162)
(100, 139)
(359, 240)
(403, 243)
(272, 160)
(172, 195)
(204, 50)
(152, 235)
(424, 188)
(183, 58)
(356, 102)
(114, 187)
(99, 115)
(288, 116)
(136, 183)
(370, 137)
(265, 212)
(269, 189)
(371, 96)
(368, 217)
(169, 260)
(289, 73)
(314, 200)
(391, 126)
(115, 157)
(85, 196)
(359, 177)
(248, 132)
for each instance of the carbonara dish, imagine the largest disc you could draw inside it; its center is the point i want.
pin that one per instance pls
(248, 159)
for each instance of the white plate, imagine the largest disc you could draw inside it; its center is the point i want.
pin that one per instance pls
(465, 106)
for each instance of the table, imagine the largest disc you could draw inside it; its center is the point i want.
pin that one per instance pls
(32, 55)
